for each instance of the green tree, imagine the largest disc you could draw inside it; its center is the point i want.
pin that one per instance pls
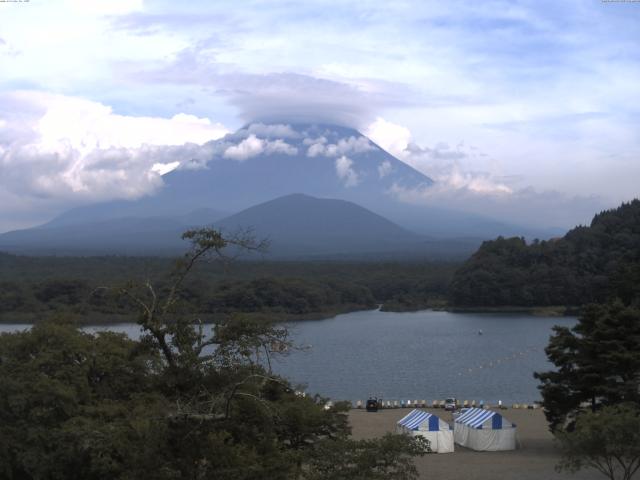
(68, 402)
(607, 440)
(12, 297)
(590, 264)
(379, 459)
(182, 402)
(598, 363)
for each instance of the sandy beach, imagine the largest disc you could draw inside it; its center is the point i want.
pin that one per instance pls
(534, 460)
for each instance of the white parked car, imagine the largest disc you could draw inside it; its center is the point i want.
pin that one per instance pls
(450, 404)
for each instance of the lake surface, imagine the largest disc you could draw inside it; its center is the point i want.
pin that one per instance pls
(419, 355)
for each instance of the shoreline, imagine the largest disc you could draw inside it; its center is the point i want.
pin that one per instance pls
(123, 319)
(539, 311)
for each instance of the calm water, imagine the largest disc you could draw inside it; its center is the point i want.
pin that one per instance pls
(418, 355)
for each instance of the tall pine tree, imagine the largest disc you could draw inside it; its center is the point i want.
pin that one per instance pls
(598, 363)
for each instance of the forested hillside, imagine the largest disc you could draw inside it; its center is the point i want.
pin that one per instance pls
(589, 264)
(33, 288)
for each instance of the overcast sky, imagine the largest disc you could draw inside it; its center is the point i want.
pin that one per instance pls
(527, 108)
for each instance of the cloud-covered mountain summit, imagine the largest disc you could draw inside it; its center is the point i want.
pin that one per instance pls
(257, 164)
(260, 162)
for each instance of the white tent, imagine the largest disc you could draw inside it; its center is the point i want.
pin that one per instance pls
(484, 430)
(429, 426)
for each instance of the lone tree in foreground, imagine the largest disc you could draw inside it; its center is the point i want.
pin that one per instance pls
(598, 364)
(592, 400)
(178, 403)
(607, 440)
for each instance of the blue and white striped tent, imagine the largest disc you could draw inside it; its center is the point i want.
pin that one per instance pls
(431, 427)
(484, 430)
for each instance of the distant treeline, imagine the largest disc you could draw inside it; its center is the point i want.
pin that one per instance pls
(589, 264)
(32, 288)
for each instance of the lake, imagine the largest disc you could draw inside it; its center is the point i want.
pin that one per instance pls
(417, 355)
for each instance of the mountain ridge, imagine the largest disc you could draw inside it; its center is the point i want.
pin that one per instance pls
(298, 224)
(257, 164)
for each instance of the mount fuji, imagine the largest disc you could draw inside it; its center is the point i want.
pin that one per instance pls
(254, 165)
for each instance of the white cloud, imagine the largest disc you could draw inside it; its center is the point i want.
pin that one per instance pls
(46, 124)
(87, 125)
(345, 146)
(164, 168)
(75, 150)
(345, 172)
(454, 181)
(280, 146)
(253, 146)
(316, 146)
(389, 136)
(278, 130)
(247, 148)
(354, 145)
(452, 169)
(517, 79)
(477, 183)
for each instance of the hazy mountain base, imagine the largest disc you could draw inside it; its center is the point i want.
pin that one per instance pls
(297, 227)
(589, 264)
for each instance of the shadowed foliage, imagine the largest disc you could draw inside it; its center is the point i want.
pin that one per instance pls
(589, 264)
(179, 403)
(598, 364)
(608, 441)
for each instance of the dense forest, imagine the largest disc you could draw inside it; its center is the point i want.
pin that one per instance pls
(34, 288)
(589, 264)
(177, 403)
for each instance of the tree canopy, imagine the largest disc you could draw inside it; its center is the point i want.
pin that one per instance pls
(607, 440)
(589, 264)
(34, 288)
(598, 363)
(178, 403)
